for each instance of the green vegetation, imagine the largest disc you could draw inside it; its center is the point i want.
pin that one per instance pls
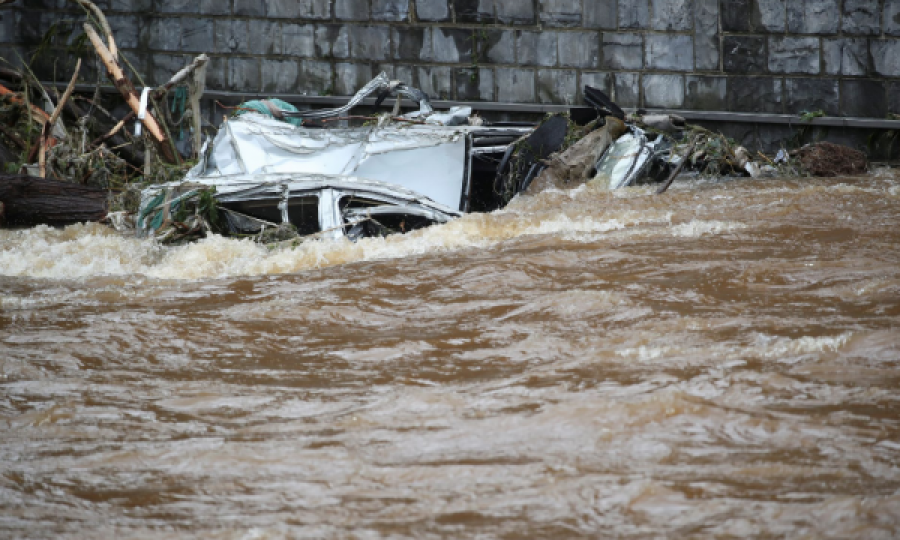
(809, 116)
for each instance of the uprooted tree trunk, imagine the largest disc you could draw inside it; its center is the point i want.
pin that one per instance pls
(29, 200)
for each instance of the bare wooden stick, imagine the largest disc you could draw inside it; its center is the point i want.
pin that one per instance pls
(765, 157)
(126, 88)
(45, 132)
(66, 95)
(118, 127)
(42, 158)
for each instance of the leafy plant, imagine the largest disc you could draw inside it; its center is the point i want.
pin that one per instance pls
(208, 206)
(803, 132)
(809, 116)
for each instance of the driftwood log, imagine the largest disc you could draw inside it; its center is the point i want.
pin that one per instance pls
(29, 200)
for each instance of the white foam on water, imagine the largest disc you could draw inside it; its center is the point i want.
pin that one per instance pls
(88, 250)
(645, 353)
(576, 304)
(697, 228)
(789, 350)
(578, 215)
(76, 251)
(24, 302)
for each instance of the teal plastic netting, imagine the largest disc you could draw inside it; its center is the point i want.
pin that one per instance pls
(257, 105)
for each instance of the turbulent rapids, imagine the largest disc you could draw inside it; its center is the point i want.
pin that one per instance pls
(721, 361)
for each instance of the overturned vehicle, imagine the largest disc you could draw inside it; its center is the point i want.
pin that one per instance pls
(288, 167)
(273, 172)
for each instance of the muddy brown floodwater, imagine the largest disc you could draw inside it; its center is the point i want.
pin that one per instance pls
(722, 361)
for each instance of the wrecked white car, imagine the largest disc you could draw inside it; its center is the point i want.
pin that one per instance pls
(395, 175)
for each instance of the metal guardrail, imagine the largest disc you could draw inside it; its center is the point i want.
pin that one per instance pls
(539, 108)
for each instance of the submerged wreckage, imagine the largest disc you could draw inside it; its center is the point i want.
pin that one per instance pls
(276, 173)
(288, 167)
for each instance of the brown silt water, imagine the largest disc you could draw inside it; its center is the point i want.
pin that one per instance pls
(722, 361)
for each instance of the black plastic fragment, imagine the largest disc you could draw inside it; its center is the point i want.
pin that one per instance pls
(600, 101)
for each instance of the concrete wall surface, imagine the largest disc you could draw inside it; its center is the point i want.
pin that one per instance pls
(761, 56)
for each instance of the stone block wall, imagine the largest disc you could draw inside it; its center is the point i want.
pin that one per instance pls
(762, 56)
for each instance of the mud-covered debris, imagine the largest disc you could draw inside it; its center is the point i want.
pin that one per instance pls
(829, 159)
(278, 233)
(178, 215)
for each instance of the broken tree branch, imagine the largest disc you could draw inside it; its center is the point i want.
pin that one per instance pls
(117, 139)
(38, 115)
(198, 86)
(195, 74)
(104, 25)
(95, 105)
(118, 127)
(66, 95)
(181, 76)
(126, 88)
